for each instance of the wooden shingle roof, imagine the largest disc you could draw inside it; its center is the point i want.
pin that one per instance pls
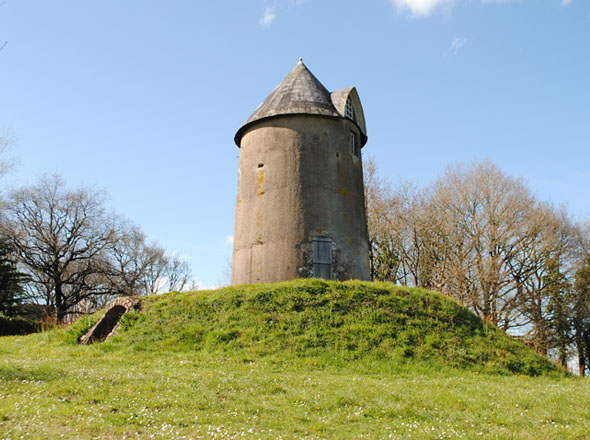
(299, 93)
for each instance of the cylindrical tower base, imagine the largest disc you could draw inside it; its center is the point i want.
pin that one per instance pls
(300, 209)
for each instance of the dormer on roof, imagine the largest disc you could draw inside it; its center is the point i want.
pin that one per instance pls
(348, 104)
(302, 93)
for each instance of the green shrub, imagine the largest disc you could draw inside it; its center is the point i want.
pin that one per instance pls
(17, 326)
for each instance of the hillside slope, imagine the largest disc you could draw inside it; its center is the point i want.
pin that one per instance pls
(298, 360)
(379, 325)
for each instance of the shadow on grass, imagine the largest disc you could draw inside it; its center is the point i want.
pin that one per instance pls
(36, 374)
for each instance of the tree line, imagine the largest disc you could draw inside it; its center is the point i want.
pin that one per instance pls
(474, 234)
(483, 238)
(62, 249)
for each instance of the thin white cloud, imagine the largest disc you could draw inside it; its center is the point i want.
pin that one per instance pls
(283, 6)
(419, 7)
(422, 8)
(564, 3)
(268, 17)
(456, 44)
(229, 239)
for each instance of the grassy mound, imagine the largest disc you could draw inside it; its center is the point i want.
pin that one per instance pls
(298, 360)
(374, 325)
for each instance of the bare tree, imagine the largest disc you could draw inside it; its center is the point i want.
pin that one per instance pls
(485, 212)
(383, 234)
(178, 274)
(76, 256)
(138, 268)
(6, 142)
(154, 269)
(62, 238)
(224, 279)
(477, 235)
(544, 253)
(392, 224)
(127, 260)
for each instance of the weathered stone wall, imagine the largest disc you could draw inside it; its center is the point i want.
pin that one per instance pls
(299, 178)
(109, 323)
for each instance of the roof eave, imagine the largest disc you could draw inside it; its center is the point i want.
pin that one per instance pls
(244, 128)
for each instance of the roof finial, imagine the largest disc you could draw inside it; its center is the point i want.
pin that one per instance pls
(300, 59)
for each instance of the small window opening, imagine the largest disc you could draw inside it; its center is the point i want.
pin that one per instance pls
(349, 110)
(322, 257)
(354, 145)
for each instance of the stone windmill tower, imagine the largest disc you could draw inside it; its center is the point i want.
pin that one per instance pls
(300, 209)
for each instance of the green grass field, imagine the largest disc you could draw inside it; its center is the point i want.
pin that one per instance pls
(305, 359)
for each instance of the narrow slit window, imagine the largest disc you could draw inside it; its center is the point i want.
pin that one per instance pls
(322, 257)
(353, 141)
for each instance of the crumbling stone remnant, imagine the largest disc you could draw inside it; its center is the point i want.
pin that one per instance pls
(109, 323)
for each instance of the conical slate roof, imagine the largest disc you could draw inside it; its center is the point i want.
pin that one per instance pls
(299, 93)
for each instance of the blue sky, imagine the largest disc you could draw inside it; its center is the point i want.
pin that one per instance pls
(143, 98)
